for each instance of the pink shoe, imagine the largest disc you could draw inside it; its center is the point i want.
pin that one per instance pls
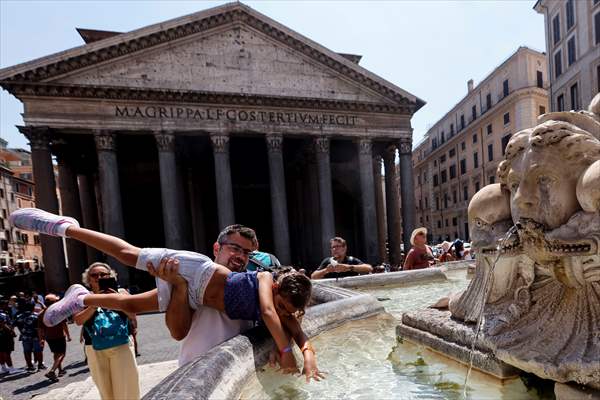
(67, 306)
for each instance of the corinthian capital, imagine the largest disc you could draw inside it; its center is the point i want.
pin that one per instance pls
(39, 137)
(365, 146)
(105, 140)
(405, 146)
(220, 143)
(322, 144)
(165, 141)
(274, 143)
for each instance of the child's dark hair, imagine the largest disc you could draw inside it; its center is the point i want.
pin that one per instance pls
(295, 287)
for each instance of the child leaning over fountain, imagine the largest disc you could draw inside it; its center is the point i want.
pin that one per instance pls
(241, 295)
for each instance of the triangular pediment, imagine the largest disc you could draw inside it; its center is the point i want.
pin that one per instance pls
(237, 59)
(226, 49)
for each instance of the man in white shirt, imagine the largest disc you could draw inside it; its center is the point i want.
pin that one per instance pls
(205, 328)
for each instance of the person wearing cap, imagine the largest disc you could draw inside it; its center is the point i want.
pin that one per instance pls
(420, 255)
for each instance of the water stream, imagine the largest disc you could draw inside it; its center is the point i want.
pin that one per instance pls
(486, 288)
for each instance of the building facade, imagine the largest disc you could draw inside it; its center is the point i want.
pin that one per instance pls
(460, 153)
(18, 249)
(166, 134)
(573, 48)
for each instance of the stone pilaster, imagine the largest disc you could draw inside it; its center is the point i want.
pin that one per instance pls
(367, 189)
(407, 190)
(325, 192)
(279, 211)
(170, 193)
(55, 275)
(380, 206)
(225, 206)
(392, 205)
(71, 206)
(110, 193)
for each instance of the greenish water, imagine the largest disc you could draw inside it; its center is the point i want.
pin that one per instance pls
(364, 359)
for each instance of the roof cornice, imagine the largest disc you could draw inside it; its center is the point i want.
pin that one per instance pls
(53, 66)
(32, 89)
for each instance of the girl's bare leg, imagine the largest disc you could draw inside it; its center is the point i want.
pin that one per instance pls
(136, 303)
(112, 246)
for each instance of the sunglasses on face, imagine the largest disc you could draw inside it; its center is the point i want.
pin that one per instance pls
(97, 275)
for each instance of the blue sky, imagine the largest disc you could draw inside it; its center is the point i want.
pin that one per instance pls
(429, 48)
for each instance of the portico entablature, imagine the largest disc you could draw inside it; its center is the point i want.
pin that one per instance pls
(71, 114)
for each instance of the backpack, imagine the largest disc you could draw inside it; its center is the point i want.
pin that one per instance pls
(109, 329)
(260, 261)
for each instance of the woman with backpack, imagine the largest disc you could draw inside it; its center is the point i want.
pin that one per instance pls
(108, 345)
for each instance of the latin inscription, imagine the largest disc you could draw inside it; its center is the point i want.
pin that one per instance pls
(233, 115)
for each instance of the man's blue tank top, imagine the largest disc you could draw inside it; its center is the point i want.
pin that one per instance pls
(241, 296)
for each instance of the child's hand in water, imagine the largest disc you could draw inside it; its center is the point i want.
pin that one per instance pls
(288, 363)
(310, 369)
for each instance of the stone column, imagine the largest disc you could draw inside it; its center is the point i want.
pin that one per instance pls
(110, 193)
(55, 274)
(89, 212)
(367, 189)
(325, 192)
(225, 206)
(392, 200)
(197, 212)
(71, 206)
(380, 207)
(279, 211)
(169, 190)
(407, 189)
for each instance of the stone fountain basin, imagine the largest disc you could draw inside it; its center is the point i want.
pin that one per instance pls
(223, 371)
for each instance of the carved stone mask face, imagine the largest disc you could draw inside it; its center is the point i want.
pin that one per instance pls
(542, 185)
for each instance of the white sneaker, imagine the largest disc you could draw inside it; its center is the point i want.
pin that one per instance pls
(66, 306)
(36, 220)
(4, 369)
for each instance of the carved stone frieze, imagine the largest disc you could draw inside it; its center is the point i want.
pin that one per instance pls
(165, 141)
(220, 143)
(321, 144)
(274, 143)
(105, 141)
(19, 89)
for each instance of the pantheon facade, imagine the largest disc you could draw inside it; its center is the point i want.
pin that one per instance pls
(168, 133)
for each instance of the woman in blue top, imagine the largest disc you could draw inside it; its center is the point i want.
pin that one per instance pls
(247, 295)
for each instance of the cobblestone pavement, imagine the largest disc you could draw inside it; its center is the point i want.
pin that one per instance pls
(155, 344)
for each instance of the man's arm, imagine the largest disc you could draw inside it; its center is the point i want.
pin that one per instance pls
(320, 273)
(359, 268)
(324, 268)
(179, 314)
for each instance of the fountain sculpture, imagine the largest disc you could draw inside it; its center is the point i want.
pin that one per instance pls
(538, 292)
